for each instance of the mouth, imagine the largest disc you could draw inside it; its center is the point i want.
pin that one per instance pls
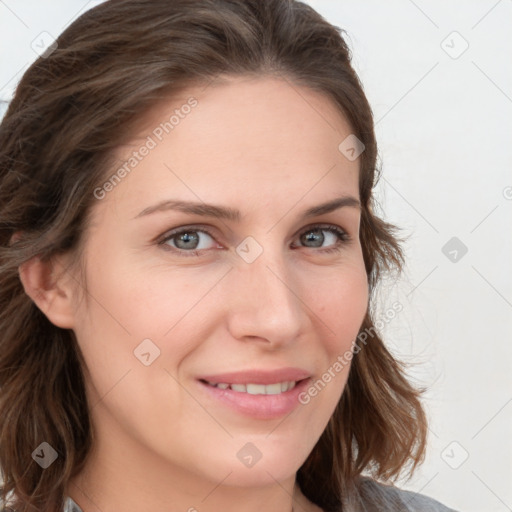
(256, 389)
(261, 401)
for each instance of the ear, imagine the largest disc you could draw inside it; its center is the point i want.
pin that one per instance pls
(50, 286)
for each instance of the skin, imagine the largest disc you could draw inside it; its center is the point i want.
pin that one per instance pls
(269, 149)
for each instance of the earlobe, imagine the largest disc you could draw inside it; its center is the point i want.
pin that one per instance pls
(46, 283)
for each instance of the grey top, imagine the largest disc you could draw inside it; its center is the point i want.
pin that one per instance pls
(377, 497)
(373, 497)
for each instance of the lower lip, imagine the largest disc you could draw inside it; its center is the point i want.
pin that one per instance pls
(264, 407)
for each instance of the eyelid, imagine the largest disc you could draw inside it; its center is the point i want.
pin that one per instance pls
(176, 231)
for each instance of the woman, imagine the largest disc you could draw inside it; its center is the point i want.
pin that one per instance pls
(188, 254)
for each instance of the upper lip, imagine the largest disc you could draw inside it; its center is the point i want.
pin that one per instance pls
(259, 376)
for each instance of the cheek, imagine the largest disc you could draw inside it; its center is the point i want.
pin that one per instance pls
(129, 305)
(341, 303)
(137, 301)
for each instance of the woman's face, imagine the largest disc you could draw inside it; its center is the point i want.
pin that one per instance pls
(268, 293)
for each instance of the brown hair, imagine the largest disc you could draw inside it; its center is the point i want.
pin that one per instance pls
(71, 109)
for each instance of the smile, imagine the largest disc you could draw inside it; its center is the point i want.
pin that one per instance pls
(263, 401)
(257, 389)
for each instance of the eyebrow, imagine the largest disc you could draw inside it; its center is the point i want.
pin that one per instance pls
(223, 212)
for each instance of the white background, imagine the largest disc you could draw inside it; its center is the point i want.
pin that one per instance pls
(443, 123)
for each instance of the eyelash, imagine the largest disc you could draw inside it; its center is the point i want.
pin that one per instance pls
(342, 235)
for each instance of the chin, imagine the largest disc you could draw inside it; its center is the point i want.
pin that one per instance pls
(274, 464)
(260, 476)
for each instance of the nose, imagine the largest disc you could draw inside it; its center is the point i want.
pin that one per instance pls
(265, 301)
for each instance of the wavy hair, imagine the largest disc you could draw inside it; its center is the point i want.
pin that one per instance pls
(71, 109)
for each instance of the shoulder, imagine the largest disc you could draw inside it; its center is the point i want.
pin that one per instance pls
(382, 497)
(70, 505)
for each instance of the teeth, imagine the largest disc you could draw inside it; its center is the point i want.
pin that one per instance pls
(269, 389)
(257, 389)
(290, 384)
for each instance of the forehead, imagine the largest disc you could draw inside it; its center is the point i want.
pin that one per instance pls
(244, 93)
(236, 138)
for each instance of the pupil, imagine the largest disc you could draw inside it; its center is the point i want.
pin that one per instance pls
(187, 237)
(317, 237)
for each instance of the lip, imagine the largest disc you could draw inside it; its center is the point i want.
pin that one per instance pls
(259, 376)
(262, 407)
